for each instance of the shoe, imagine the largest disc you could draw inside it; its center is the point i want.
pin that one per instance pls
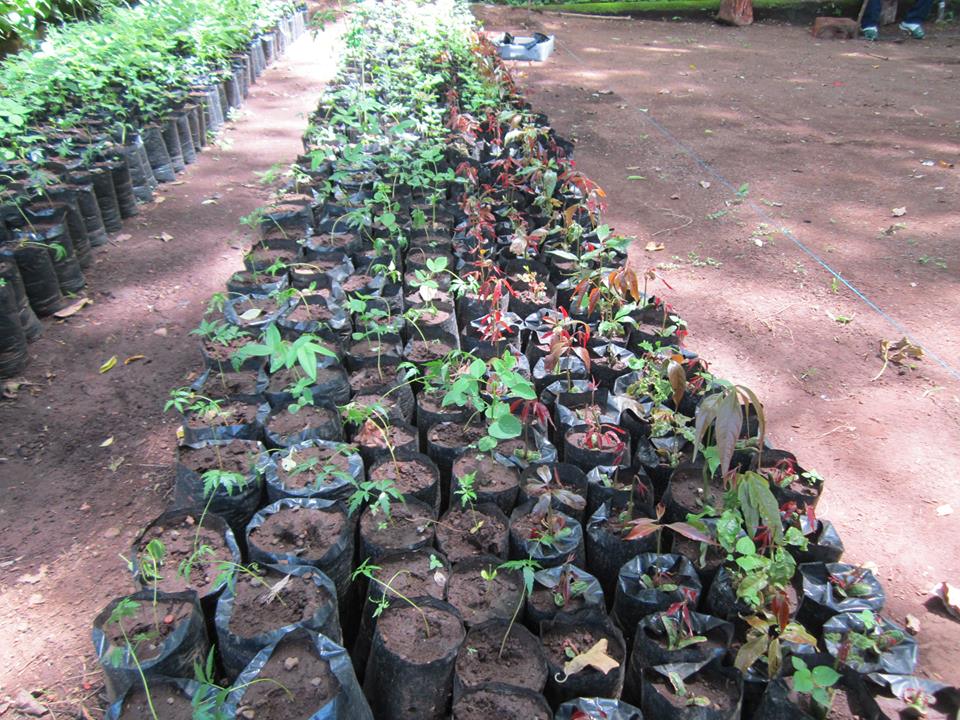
(915, 30)
(870, 33)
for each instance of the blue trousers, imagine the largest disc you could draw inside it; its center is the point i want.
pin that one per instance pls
(917, 14)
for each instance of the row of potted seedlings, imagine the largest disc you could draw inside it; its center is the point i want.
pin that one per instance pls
(74, 174)
(448, 456)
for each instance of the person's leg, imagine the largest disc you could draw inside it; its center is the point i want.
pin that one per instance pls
(918, 13)
(871, 17)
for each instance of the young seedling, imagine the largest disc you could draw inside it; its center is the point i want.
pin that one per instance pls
(527, 568)
(128, 608)
(210, 699)
(369, 571)
(817, 682)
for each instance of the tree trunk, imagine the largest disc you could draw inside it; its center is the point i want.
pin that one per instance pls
(736, 12)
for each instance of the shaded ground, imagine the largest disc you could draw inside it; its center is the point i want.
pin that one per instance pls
(828, 137)
(69, 505)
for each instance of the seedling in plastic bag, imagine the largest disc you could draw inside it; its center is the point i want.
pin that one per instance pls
(369, 571)
(817, 682)
(528, 568)
(128, 608)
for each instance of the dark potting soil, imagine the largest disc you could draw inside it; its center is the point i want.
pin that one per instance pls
(409, 574)
(479, 600)
(372, 348)
(407, 526)
(328, 462)
(309, 416)
(263, 257)
(557, 639)
(408, 475)
(617, 365)
(303, 683)
(283, 379)
(224, 385)
(708, 648)
(425, 351)
(530, 527)
(151, 623)
(255, 613)
(246, 281)
(238, 456)
(181, 542)
(265, 306)
(371, 437)
(433, 318)
(306, 532)
(223, 353)
(415, 299)
(529, 297)
(303, 313)
(588, 413)
(373, 377)
(168, 701)
(455, 435)
(405, 634)
(690, 549)
(521, 665)
(543, 599)
(387, 402)
(433, 402)
(719, 690)
(464, 533)
(518, 447)
(234, 413)
(486, 704)
(491, 476)
(687, 490)
(356, 282)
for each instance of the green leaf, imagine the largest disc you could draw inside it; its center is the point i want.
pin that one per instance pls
(506, 427)
(803, 681)
(746, 546)
(825, 676)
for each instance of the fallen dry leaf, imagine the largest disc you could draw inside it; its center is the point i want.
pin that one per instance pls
(596, 657)
(108, 365)
(73, 308)
(944, 510)
(653, 246)
(159, 199)
(899, 212)
(704, 184)
(945, 164)
(898, 353)
(164, 237)
(122, 236)
(134, 358)
(107, 443)
(950, 596)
